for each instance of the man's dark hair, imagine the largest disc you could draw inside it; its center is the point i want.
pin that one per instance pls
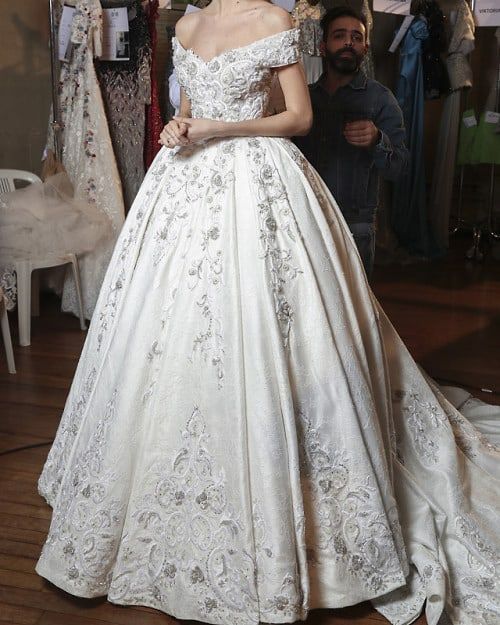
(340, 11)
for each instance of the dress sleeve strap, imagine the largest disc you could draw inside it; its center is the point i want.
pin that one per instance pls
(280, 49)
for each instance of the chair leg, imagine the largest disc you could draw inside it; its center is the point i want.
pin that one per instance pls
(78, 284)
(35, 294)
(7, 341)
(23, 275)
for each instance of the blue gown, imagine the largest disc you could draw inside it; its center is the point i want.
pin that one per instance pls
(409, 211)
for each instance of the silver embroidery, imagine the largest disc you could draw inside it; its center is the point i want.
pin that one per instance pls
(185, 535)
(343, 515)
(422, 421)
(275, 217)
(57, 461)
(85, 525)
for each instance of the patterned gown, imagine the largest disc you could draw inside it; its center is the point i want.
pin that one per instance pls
(246, 437)
(88, 153)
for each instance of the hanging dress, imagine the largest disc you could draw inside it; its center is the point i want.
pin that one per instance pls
(307, 18)
(126, 89)
(409, 210)
(460, 78)
(87, 150)
(154, 122)
(367, 66)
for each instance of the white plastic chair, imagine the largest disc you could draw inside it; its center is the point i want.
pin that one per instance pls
(4, 321)
(24, 268)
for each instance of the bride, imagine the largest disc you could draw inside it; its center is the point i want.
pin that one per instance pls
(246, 437)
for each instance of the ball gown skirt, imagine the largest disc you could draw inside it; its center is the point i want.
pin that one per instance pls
(247, 437)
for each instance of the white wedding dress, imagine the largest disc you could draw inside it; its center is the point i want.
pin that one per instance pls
(246, 437)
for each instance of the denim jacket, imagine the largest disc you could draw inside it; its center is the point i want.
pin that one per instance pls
(352, 173)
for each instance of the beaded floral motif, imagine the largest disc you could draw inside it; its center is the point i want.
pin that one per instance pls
(283, 597)
(57, 461)
(206, 271)
(423, 419)
(116, 280)
(236, 84)
(85, 525)
(185, 535)
(476, 594)
(346, 515)
(275, 218)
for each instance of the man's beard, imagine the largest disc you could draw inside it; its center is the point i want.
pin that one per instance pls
(347, 64)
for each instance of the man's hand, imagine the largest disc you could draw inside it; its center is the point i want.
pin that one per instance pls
(362, 133)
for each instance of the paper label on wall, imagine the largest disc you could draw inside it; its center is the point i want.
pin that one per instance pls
(399, 7)
(490, 117)
(469, 121)
(487, 12)
(64, 35)
(115, 38)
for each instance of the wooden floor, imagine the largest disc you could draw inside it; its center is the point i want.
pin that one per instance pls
(447, 312)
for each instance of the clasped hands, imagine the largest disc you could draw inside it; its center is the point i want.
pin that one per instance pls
(361, 133)
(182, 131)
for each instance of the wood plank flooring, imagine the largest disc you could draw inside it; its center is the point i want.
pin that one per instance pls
(448, 313)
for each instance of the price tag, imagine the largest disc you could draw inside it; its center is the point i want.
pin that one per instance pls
(469, 121)
(64, 35)
(115, 40)
(398, 7)
(490, 117)
(487, 12)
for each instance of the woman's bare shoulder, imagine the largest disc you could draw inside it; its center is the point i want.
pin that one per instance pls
(274, 19)
(186, 26)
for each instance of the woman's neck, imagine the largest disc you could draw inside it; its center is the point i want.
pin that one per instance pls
(229, 7)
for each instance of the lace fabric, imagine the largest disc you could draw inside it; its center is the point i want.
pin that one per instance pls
(307, 18)
(88, 155)
(126, 90)
(460, 46)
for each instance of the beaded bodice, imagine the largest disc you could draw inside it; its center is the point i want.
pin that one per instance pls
(234, 85)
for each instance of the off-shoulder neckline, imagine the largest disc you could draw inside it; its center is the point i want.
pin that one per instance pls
(229, 50)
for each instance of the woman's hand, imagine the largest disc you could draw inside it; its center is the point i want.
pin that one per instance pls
(198, 129)
(174, 134)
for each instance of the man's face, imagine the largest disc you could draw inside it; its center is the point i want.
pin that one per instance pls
(345, 45)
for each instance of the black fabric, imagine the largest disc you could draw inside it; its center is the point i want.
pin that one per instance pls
(436, 83)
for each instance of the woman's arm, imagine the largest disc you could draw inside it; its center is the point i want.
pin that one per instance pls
(175, 132)
(295, 120)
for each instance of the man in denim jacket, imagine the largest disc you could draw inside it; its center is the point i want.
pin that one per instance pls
(357, 133)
